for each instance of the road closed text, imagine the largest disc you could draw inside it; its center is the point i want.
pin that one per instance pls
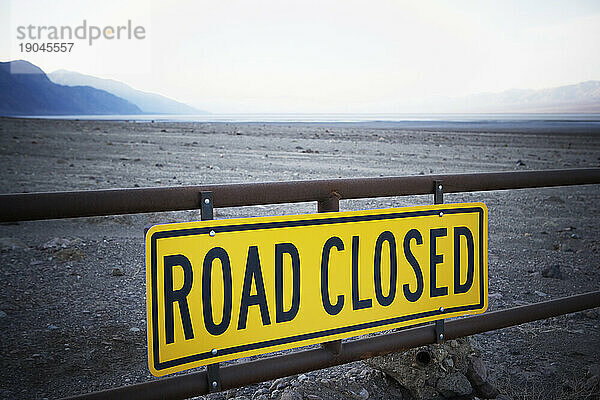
(219, 290)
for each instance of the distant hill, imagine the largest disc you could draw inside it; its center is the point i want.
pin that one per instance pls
(583, 97)
(151, 103)
(30, 92)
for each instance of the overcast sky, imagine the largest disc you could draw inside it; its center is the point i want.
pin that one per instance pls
(321, 56)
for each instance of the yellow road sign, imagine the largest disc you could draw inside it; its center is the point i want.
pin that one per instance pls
(224, 289)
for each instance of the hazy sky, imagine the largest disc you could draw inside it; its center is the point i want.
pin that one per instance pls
(321, 56)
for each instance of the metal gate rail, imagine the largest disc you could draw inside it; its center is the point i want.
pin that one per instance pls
(49, 205)
(237, 375)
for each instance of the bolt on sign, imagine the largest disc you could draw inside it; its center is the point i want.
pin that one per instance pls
(224, 289)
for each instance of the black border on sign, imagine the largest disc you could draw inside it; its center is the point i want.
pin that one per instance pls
(296, 223)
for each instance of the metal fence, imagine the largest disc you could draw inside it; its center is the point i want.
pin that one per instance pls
(327, 193)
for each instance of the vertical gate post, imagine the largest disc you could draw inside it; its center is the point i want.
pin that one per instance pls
(438, 198)
(212, 370)
(331, 204)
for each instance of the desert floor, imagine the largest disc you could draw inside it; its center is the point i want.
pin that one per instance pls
(69, 324)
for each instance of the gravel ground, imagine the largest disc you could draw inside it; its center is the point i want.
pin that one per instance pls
(72, 305)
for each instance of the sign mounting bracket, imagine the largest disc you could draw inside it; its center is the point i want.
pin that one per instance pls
(212, 370)
(438, 198)
(331, 204)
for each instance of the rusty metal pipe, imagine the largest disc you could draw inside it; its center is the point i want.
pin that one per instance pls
(237, 375)
(50, 205)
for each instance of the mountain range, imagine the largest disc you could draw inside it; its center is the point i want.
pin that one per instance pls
(149, 103)
(583, 97)
(30, 92)
(26, 90)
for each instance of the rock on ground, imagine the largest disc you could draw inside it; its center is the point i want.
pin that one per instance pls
(450, 369)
